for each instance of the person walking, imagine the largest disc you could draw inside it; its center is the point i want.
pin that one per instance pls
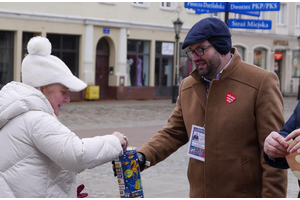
(40, 157)
(231, 106)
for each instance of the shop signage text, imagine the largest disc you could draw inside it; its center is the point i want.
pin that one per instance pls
(281, 42)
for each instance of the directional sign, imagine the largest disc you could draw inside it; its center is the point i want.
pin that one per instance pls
(220, 6)
(201, 11)
(249, 24)
(252, 13)
(254, 6)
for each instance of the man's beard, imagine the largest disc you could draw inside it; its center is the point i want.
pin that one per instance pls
(212, 67)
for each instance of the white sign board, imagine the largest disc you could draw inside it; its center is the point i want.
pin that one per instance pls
(167, 48)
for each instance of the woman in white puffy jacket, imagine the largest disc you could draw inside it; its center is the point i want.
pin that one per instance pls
(39, 156)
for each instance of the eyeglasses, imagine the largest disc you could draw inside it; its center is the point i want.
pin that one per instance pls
(199, 51)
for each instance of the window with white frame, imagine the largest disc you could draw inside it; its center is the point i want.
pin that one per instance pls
(262, 15)
(168, 5)
(241, 51)
(298, 15)
(281, 14)
(141, 4)
(216, 14)
(238, 16)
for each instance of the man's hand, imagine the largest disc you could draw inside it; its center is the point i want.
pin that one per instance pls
(142, 160)
(275, 145)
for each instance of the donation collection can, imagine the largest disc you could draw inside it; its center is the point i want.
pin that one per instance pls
(128, 174)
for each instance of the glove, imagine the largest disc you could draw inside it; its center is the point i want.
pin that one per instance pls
(79, 189)
(142, 160)
(114, 168)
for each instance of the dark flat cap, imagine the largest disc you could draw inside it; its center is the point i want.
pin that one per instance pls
(212, 29)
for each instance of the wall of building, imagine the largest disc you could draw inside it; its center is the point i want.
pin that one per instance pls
(153, 24)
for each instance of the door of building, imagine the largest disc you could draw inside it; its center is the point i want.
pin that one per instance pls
(163, 76)
(278, 66)
(277, 69)
(102, 67)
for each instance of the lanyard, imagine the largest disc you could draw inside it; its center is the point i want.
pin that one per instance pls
(207, 84)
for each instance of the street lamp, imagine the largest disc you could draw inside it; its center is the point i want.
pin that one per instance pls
(299, 76)
(177, 27)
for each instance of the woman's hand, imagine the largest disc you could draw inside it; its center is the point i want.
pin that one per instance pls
(123, 139)
(295, 144)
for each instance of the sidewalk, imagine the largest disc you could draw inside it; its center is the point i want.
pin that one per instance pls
(139, 120)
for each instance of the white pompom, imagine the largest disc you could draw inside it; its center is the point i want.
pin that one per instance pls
(39, 45)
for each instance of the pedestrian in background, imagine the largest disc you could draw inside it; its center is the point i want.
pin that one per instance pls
(232, 106)
(277, 147)
(40, 157)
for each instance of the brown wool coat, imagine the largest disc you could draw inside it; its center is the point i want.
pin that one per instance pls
(234, 132)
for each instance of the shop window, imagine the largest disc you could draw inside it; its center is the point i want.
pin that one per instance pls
(25, 39)
(164, 56)
(66, 47)
(241, 51)
(6, 57)
(296, 63)
(138, 62)
(260, 57)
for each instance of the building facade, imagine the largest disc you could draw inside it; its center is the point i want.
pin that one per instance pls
(129, 48)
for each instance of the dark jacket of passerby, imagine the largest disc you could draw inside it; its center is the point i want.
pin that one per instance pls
(292, 124)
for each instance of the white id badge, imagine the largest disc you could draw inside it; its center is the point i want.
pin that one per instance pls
(196, 148)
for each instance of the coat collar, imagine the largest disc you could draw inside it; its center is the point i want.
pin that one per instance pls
(199, 85)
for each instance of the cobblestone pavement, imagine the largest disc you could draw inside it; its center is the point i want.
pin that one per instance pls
(167, 179)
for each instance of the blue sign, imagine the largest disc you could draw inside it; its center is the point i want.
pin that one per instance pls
(250, 24)
(201, 11)
(106, 30)
(220, 6)
(254, 6)
(252, 13)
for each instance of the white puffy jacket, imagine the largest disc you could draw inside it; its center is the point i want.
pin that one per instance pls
(39, 156)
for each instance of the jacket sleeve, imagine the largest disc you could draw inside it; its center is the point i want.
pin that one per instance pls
(291, 125)
(168, 139)
(66, 149)
(269, 117)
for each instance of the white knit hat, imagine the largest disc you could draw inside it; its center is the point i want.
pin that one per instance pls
(39, 68)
